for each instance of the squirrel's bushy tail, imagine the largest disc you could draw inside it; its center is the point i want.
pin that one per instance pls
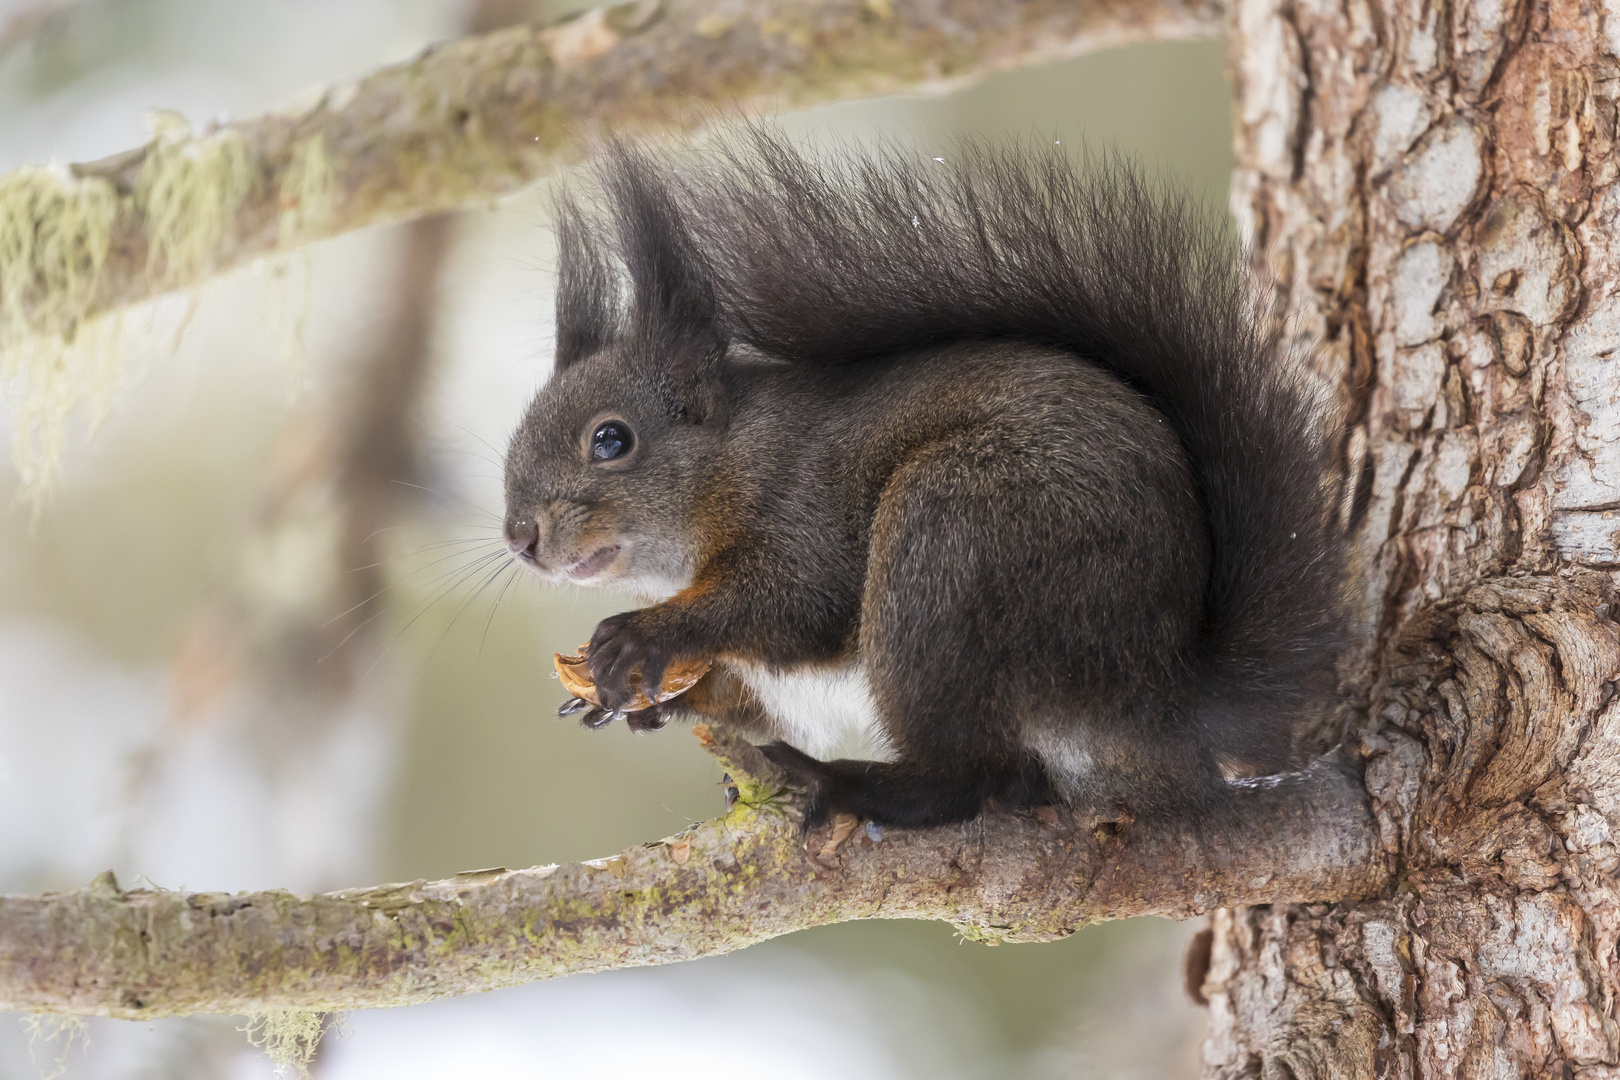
(830, 261)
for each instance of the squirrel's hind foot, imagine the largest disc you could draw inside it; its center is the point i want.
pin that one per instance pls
(894, 793)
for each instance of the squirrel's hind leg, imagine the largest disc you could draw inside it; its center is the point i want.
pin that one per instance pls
(1018, 586)
(904, 794)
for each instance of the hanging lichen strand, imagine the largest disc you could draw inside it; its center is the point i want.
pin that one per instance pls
(55, 232)
(59, 350)
(189, 191)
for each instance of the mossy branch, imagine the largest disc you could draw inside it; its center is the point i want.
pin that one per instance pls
(717, 887)
(477, 118)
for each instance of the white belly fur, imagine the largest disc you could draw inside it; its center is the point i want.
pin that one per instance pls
(828, 712)
(1066, 755)
(825, 711)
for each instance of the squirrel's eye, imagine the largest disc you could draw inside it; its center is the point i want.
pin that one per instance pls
(611, 440)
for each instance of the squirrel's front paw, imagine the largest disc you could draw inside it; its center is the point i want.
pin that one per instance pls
(622, 658)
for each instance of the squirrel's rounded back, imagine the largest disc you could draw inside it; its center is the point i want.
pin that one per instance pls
(829, 262)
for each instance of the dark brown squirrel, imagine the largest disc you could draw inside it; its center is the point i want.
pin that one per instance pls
(989, 454)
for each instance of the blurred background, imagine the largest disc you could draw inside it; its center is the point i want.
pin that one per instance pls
(262, 633)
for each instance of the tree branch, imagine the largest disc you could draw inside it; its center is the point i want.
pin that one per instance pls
(25, 21)
(717, 887)
(481, 117)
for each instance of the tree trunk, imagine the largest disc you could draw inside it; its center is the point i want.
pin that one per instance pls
(1433, 187)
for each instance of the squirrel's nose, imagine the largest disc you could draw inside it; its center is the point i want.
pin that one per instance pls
(522, 536)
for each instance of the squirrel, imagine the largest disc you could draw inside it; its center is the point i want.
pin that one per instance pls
(989, 457)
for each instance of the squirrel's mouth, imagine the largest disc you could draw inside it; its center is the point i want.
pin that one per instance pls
(593, 564)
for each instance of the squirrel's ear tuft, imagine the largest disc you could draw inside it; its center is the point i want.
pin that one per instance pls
(587, 289)
(673, 314)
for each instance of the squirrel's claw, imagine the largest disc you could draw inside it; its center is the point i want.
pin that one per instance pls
(595, 717)
(619, 651)
(598, 718)
(648, 719)
(806, 773)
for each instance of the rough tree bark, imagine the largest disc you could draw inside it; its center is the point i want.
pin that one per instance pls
(1433, 186)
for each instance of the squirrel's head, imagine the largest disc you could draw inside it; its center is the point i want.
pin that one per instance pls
(604, 474)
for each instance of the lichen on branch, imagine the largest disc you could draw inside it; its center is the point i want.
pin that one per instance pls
(716, 887)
